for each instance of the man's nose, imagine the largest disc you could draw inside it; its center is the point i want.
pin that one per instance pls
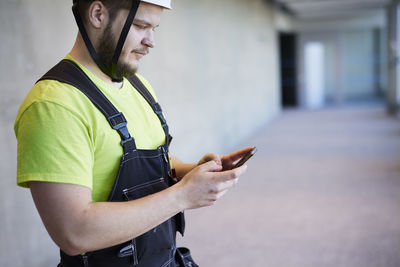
(148, 40)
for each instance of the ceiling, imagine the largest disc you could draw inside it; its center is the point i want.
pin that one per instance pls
(310, 9)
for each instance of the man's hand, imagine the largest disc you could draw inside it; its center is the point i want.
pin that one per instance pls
(226, 161)
(206, 183)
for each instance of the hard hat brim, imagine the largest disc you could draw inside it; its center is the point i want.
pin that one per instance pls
(163, 3)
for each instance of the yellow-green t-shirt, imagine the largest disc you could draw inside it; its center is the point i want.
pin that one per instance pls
(63, 138)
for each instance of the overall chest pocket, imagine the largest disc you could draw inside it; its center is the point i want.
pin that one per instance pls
(145, 189)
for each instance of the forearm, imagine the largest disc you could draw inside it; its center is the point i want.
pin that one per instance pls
(181, 168)
(94, 226)
(121, 221)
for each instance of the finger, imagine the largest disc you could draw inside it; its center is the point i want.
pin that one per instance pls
(221, 194)
(217, 195)
(230, 174)
(214, 157)
(237, 154)
(210, 166)
(224, 186)
(211, 156)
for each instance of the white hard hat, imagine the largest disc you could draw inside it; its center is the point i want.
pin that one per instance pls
(163, 3)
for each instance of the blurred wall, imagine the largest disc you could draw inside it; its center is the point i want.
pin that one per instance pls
(34, 36)
(355, 55)
(215, 70)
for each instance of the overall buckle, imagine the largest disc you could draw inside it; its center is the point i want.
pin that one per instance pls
(118, 122)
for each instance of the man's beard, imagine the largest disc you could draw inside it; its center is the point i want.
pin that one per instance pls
(105, 51)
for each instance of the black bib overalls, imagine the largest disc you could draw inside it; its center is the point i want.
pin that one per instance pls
(141, 173)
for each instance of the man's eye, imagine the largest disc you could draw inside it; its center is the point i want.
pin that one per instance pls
(141, 27)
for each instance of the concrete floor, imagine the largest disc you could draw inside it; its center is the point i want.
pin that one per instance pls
(322, 190)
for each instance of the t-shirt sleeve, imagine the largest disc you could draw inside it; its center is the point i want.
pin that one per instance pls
(54, 145)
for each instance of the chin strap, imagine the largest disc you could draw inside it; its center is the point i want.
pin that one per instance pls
(110, 71)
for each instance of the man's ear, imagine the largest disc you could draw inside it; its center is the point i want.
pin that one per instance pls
(97, 14)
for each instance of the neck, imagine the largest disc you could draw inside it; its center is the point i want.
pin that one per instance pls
(80, 53)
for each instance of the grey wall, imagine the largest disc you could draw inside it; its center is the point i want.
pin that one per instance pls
(355, 62)
(215, 71)
(34, 35)
(218, 71)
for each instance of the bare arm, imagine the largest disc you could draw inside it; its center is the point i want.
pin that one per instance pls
(77, 225)
(180, 167)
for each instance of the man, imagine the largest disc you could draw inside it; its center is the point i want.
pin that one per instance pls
(93, 148)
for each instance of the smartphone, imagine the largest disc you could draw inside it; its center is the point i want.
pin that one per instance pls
(245, 157)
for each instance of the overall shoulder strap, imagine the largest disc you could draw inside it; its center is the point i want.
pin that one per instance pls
(69, 72)
(141, 88)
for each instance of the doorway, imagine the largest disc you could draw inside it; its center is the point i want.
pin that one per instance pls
(288, 59)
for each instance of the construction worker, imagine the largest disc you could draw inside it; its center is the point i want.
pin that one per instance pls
(93, 147)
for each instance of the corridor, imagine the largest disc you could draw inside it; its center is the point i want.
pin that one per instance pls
(323, 190)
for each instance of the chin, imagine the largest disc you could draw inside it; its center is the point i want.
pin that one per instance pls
(132, 64)
(129, 68)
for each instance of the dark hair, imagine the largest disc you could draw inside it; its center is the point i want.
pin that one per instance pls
(113, 7)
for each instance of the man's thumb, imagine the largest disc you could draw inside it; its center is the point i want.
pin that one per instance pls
(211, 166)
